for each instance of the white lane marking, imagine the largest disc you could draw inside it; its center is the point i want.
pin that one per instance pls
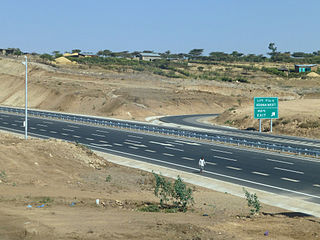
(189, 143)
(32, 128)
(135, 136)
(64, 134)
(212, 173)
(98, 135)
(90, 139)
(41, 125)
(17, 121)
(288, 170)
(179, 144)
(69, 130)
(1, 118)
(168, 154)
(216, 150)
(134, 141)
(5, 123)
(274, 160)
(224, 158)
(101, 145)
(160, 143)
(133, 147)
(234, 168)
(118, 144)
(290, 179)
(13, 124)
(103, 141)
(47, 122)
(42, 130)
(211, 163)
(186, 158)
(316, 185)
(53, 132)
(135, 144)
(72, 126)
(175, 149)
(76, 136)
(103, 131)
(148, 150)
(260, 173)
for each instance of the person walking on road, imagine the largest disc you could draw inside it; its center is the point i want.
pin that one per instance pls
(201, 164)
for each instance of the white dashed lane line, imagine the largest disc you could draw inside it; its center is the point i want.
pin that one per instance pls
(168, 154)
(13, 124)
(216, 150)
(68, 130)
(118, 144)
(288, 170)
(47, 122)
(179, 144)
(41, 125)
(160, 143)
(175, 149)
(211, 163)
(102, 131)
(89, 139)
(5, 123)
(290, 179)
(278, 161)
(186, 158)
(135, 144)
(42, 130)
(133, 141)
(148, 150)
(260, 173)
(76, 136)
(133, 136)
(53, 132)
(234, 168)
(133, 147)
(225, 158)
(64, 134)
(98, 135)
(33, 128)
(103, 141)
(316, 185)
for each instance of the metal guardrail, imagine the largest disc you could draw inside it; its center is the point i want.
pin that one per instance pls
(168, 131)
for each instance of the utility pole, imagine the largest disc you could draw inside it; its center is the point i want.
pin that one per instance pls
(26, 101)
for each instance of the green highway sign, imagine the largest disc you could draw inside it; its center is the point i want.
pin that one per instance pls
(265, 107)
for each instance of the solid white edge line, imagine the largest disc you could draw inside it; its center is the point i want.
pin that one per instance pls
(288, 170)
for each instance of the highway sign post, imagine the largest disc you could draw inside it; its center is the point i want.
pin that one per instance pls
(265, 108)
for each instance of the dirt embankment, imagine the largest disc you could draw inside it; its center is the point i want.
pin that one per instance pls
(48, 190)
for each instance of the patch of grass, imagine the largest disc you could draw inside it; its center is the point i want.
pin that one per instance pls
(108, 178)
(150, 208)
(46, 200)
(309, 124)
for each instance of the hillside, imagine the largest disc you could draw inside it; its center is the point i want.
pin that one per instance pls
(127, 92)
(48, 190)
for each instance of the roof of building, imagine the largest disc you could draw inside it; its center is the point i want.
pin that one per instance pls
(306, 65)
(149, 54)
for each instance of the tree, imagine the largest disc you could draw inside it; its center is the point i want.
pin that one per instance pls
(76, 51)
(194, 53)
(56, 54)
(46, 56)
(104, 53)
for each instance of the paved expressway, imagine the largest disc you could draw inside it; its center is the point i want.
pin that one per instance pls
(283, 174)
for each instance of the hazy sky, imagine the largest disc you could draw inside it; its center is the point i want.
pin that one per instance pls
(247, 26)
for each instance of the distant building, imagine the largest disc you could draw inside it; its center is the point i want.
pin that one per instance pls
(305, 68)
(148, 56)
(6, 51)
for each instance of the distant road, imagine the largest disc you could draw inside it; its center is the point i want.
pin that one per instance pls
(273, 172)
(195, 121)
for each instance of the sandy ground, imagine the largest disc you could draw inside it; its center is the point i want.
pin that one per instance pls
(60, 183)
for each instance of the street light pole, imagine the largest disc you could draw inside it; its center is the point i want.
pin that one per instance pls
(26, 101)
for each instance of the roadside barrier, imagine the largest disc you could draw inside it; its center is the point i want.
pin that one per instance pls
(169, 131)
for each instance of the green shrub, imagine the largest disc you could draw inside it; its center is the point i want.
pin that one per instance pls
(253, 202)
(108, 178)
(177, 193)
(150, 208)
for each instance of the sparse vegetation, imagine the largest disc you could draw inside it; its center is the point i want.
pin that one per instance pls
(177, 193)
(253, 202)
